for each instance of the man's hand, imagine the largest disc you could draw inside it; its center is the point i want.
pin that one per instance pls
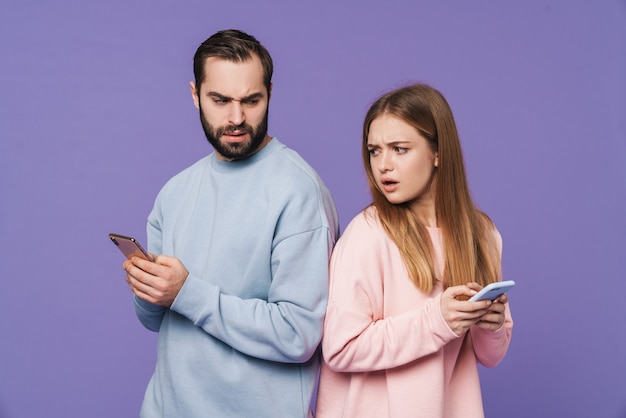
(156, 282)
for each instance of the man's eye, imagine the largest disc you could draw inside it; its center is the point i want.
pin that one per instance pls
(220, 101)
(250, 102)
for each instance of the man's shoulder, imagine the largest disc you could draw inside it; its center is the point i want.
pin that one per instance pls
(297, 185)
(199, 165)
(289, 167)
(186, 176)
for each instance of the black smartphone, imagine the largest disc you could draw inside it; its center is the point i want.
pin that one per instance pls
(129, 246)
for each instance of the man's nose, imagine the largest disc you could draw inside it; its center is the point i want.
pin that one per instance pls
(236, 116)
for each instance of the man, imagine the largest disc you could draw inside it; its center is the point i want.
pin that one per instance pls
(238, 288)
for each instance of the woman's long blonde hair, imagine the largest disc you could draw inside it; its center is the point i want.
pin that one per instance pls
(469, 243)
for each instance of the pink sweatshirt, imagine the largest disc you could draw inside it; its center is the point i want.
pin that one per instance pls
(387, 350)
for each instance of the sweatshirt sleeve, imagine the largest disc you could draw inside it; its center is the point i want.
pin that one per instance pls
(149, 314)
(285, 328)
(357, 335)
(490, 347)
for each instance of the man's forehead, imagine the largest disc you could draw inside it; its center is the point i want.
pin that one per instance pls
(234, 78)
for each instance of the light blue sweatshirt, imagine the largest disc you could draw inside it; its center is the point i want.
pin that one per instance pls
(241, 339)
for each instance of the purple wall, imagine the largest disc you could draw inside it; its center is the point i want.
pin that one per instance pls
(95, 115)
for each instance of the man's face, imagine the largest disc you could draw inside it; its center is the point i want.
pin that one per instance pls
(233, 104)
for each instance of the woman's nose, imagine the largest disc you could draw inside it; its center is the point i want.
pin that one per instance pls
(384, 163)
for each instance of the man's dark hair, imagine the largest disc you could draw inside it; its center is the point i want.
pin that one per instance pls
(232, 45)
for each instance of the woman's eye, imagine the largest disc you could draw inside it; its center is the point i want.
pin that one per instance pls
(400, 150)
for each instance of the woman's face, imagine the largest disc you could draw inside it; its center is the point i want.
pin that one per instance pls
(402, 161)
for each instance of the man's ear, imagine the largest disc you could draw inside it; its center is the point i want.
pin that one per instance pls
(194, 94)
(269, 93)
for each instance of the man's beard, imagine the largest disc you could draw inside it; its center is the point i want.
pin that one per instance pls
(236, 150)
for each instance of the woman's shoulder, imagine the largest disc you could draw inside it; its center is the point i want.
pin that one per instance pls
(492, 231)
(364, 227)
(366, 220)
(364, 241)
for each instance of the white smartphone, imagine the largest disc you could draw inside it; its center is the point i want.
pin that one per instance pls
(493, 290)
(129, 246)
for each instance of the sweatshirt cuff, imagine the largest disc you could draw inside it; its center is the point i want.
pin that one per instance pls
(195, 299)
(148, 307)
(479, 332)
(440, 326)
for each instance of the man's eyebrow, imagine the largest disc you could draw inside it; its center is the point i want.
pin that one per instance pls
(253, 96)
(216, 95)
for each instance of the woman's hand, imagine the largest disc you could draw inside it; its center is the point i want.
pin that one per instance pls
(459, 313)
(493, 319)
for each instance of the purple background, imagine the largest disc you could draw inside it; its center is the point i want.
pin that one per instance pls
(96, 115)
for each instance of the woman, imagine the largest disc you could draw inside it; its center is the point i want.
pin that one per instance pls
(400, 337)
